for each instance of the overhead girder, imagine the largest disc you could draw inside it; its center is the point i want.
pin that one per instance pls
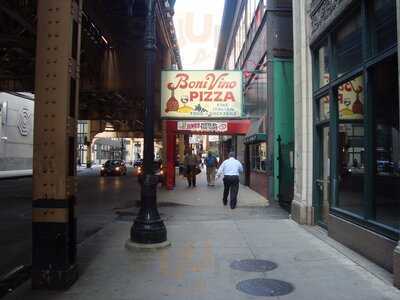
(17, 44)
(112, 71)
(13, 8)
(110, 106)
(12, 41)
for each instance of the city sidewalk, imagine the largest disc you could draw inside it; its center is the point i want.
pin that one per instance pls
(208, 242)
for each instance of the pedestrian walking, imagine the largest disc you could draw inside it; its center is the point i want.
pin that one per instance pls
(211, 163)
(230, 168)
(192, 168)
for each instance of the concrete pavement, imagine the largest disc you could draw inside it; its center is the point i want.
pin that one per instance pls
(206, 239)
(98, 199)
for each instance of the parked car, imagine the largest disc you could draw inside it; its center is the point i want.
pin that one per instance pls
(113, 167)
(158, 171)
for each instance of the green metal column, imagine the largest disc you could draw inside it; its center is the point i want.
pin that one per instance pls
(283, 116)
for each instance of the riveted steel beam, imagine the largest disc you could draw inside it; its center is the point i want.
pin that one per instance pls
(17, 17)
(56, 109)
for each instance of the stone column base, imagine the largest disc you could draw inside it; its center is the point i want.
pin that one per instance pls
(302, 214)
(396, 266)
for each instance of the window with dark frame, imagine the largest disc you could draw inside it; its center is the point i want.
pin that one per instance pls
(258, 157)
(366, 117)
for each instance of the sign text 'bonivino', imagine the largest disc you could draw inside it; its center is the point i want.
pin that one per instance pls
(201, 94)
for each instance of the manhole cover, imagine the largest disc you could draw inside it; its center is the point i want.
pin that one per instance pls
(265, 287)
(253, 265)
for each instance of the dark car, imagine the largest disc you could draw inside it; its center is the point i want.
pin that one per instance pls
(158, 171)
(138, 162)
(113, 167)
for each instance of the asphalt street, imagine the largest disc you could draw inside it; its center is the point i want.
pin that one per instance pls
(98, 200)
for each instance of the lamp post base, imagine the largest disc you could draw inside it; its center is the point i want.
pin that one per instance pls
(132, 246)
(151, 232)
(148, 227)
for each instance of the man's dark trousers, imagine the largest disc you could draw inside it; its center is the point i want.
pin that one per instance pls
(231, 186)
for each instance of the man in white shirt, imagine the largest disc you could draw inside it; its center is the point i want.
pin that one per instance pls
(230, 168)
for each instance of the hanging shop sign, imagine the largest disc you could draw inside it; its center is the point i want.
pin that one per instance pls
(255, 138)
(202, 126)
(201, 94)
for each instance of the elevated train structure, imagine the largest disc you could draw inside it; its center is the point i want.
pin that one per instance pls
(81, 59)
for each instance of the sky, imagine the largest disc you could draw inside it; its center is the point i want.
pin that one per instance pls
(197, 23)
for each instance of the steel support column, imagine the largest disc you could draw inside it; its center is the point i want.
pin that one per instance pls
(181, 149)
(148, 227)
(54, 162)
(89, 154)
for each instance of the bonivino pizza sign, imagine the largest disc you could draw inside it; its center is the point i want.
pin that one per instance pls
(201, 94)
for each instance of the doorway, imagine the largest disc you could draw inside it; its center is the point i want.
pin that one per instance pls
(322, 181)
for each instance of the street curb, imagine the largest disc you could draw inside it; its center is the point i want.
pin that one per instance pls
(13, 174)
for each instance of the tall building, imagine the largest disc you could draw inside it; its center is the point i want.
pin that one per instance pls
(256, 37)
(347, 151)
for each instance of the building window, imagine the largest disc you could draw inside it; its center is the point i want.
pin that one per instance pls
(351, 166)
(351, 99)
(258, 157)
(250, 21)
(347, 45)
(382, 24)
(363, 115)
(385, 100)
(322, 65)
(323, 105)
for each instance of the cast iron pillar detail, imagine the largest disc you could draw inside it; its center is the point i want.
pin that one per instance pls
(54, 150)
(148, 227)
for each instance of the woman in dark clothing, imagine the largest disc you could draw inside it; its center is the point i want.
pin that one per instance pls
(191, 164)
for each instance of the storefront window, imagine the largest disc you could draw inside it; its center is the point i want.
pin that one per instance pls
(258, 156)
(365, 171)
(383, 24)
(323, 63)
(351, 99)
(324, 112)
(387, 140)
(351, 166)
(348, 41)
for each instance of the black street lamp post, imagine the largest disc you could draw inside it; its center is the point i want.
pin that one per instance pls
(148, 227)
